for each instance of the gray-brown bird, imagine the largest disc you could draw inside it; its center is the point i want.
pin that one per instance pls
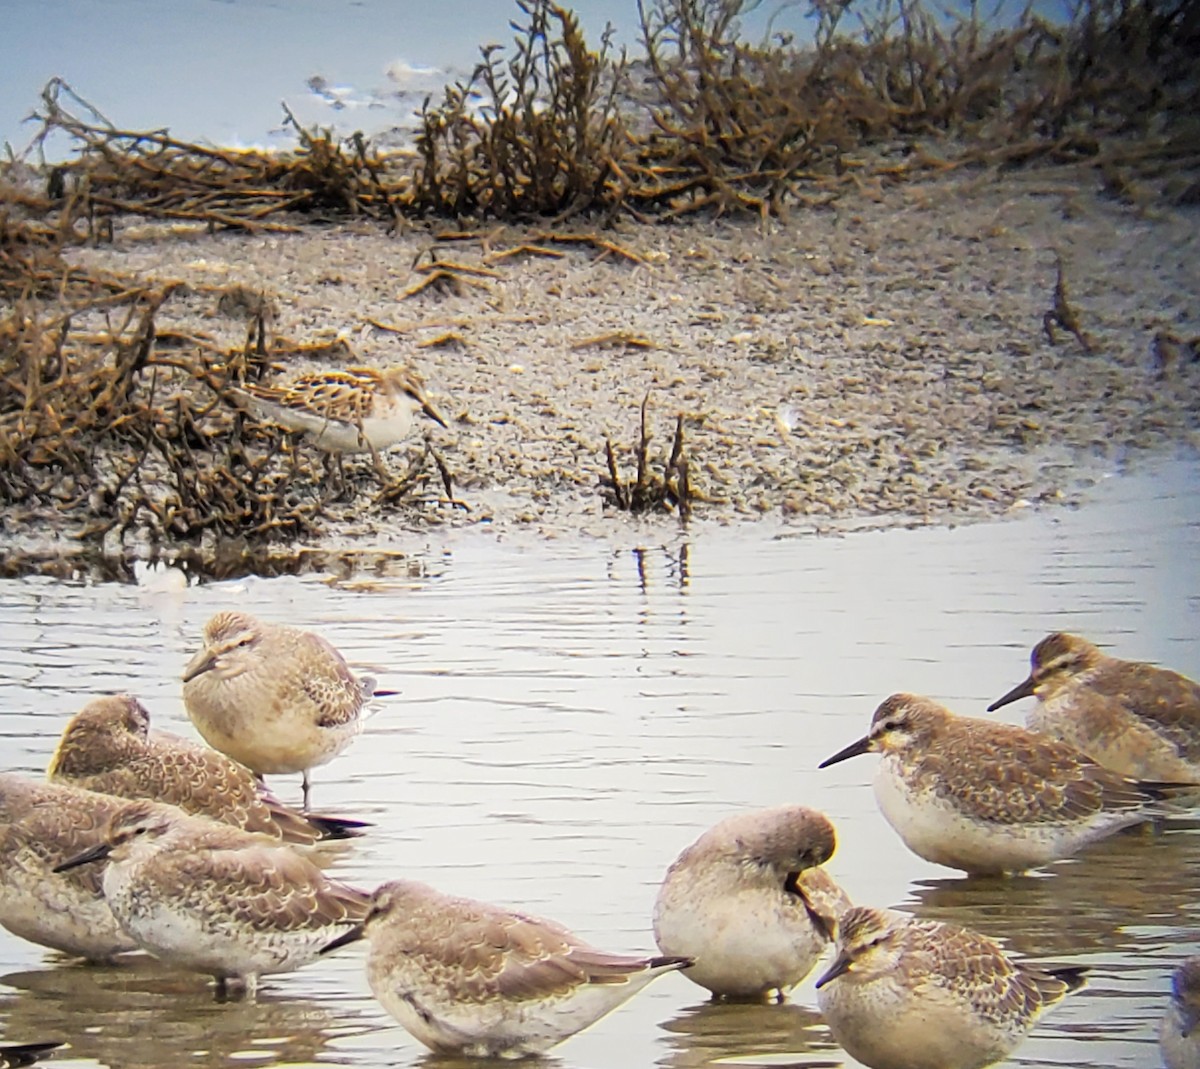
(1137, 719)
(109, 746)
(274, 698)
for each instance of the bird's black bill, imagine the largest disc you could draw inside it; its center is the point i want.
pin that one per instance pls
(338, 827)
(1074, 976)
(198, 666)
(1021, 690)
(352, 935)
(862, 746)
(433, 413)
(840, 965)
(97, 853)
(792, 886)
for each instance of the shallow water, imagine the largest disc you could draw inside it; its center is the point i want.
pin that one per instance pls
(573, 714)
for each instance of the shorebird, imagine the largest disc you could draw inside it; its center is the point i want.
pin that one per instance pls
(465, 977)
(750, 903)
(1134, 718)
(108, 746)
(912, 994)
(274, 698)
(214, 899)
(359, 410)
(40, 824)
(992, 798)
(18, 1055)
(1179, 1032)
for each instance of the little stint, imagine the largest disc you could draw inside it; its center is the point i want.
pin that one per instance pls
(912, 994)
(992, 798)
(465, 977)
(211, 898)
(1179, 1032)
(108, 746)
(40, 824)
(750, 903)
(274, 698)
(1135, 718)
(359, 410)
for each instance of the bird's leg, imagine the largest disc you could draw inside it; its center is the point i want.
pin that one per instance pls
(380, 470)
(237, 988)
(335, 477)
(307, 787)
(394, 489)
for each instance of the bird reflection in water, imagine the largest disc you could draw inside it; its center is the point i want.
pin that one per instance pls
(143, 1016)
(785, 1036)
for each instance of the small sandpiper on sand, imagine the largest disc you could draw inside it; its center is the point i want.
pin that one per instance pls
(358, 410)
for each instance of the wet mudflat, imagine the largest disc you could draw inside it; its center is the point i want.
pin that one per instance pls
(573, 713)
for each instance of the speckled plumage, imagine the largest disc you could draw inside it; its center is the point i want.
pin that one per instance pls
(108, 746)
(1135, 718)
(912, 994)
(358, 410)
(470, 978)
(985, 797)
(749, 902)
(1179, 1031)
(274, 698)
(214, 899)
(40, 824)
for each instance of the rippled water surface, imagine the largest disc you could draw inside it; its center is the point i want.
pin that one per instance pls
(574, 714)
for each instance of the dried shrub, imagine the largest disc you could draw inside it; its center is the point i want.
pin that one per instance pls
(742, 127)
(717, 124)
(538, 134)
(650, 491)
(149, 173)
(109, 431)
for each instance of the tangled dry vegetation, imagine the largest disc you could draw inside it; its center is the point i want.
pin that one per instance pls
(120, 423)
(705, 122)
(650, 491)
(108, 414)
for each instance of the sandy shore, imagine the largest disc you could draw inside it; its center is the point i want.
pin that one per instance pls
(883, 359)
